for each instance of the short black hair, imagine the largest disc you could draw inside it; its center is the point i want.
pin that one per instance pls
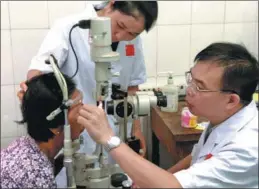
(241, 68)
(41, 98)
(149, 10)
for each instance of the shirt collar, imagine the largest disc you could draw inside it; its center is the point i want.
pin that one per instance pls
(225, 131)
(236, 122)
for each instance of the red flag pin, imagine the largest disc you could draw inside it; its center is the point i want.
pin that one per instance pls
(208, 156)
(130, 50)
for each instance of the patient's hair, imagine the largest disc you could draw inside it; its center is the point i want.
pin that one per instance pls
(41, 98)
(241, 69)
(149, 10)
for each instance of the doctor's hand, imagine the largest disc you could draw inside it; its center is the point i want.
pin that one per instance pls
(21, 92)
(23, 86)
(95, 121)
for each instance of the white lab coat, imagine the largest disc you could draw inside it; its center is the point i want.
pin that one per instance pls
(234, 148)
(131, 68)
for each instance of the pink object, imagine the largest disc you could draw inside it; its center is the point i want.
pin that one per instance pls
(186, 118)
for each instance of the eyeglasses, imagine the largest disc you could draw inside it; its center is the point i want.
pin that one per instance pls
(194, 88)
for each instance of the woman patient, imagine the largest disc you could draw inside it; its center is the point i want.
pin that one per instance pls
(28, 161)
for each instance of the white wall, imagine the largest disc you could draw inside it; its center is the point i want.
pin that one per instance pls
(183, 28)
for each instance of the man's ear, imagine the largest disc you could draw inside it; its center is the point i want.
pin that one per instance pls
(233, 101)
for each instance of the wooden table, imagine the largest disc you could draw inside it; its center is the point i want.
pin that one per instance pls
(167, 128)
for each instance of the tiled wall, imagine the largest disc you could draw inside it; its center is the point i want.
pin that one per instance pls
(183, 28)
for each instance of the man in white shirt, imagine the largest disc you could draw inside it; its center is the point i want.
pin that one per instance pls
(220, 88)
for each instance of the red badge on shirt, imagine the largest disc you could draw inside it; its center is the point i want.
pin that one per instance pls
(130, 50)
(208, 156)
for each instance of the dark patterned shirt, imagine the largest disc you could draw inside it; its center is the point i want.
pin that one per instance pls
(24, 165)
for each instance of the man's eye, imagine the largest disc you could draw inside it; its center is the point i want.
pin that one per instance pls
(131, 34)
(200, 87)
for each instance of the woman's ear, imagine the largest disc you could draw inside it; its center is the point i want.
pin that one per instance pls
(55, 131)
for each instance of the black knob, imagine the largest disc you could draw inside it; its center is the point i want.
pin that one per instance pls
(110, 107)
(117, 179)
(157, 93)
(161, 101)
(116, 93)
(120, 109)
(115, 87)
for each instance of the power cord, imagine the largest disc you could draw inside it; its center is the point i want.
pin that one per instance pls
(83, 24)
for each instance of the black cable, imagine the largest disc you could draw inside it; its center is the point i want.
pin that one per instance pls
(70, 41)
(83, 24)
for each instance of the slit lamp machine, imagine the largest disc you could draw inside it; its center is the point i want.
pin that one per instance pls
(93, 170)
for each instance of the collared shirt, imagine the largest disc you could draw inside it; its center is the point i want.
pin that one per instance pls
(24, 165)
(229, 158)
(208, 131)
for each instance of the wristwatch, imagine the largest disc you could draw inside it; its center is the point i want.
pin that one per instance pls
(112, 143)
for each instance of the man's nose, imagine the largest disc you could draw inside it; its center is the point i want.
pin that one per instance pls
(189, 91)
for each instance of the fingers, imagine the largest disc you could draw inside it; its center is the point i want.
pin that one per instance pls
(143, 152)
(89, 118)
(92, 109)
(20, 95)
(100, 105)
(23, 86)
(83, 121)
(134, 185)
(84, 113)
(89, 108)
(21, 92)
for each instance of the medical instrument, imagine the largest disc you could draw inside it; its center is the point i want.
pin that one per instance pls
(68, 148)
(93, 170)
(136, 106)
(85, 171)
(80, 168)
(117, 179)
(127, 184)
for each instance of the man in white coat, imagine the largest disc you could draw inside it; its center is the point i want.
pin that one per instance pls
(128, 19)
(220, 88)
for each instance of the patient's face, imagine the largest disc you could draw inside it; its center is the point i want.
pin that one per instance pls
(76, 128)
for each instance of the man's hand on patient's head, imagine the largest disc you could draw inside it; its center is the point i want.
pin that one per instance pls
(95, 121)
(23, 86)
(22, 91)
